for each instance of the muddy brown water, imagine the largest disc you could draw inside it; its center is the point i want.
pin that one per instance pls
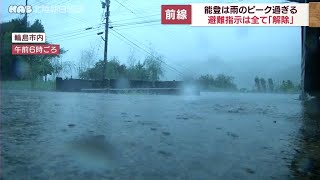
(53, 135)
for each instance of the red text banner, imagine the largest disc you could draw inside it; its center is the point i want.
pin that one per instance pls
(176, 14)
(35, 49)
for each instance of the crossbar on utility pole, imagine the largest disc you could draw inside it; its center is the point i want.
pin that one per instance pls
(107, 3)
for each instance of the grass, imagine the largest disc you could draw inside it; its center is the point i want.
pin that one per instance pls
(28, 85)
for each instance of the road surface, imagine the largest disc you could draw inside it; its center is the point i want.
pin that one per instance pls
(53, 135)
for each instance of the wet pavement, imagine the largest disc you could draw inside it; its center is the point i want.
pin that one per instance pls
(51, 135)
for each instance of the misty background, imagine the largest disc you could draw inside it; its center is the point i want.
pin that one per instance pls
(243, 52)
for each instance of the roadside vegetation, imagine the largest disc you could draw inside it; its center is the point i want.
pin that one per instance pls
(29, 85)
(39, 72)
(26, 68)
(284, 86)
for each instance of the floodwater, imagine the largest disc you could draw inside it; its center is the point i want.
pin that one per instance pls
(53, 135)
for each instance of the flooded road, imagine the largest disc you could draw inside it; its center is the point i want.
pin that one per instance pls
(50, 135)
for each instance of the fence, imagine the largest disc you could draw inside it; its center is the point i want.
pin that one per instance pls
(78, 84)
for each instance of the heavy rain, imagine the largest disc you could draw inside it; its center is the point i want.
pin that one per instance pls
(130, 98)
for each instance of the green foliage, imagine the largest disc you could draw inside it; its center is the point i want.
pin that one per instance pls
(154, 67)
(151, 69)
(263, 85)
(257, 83)
(38, 66)
(284, 86)
(115, 69)
(36, 27)
(208, 82)
(270, 85)
(138, 71)
(287, 86)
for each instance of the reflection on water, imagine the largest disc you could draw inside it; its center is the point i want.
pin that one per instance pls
(94, 150)
(306, 164)
(47, 135)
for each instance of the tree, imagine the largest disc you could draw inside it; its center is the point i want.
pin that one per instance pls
(284, 86)
(263, 84)
(220, 82)
(93, 73)
(270, 85)
(68, 67)
(8, 61)
(257, 83)
(207, 81)
(57, 67)
(45, 69)
(150, 69)
(87, 60)
(290, 85)
(138, 72)
(38, 65)
(131, 60)
(36, 27)
(225, 82)
(154, 67)
(115, 69)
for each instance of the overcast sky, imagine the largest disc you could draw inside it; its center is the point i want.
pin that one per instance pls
(239, 51)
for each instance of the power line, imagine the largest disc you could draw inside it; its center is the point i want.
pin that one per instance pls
(131, 11)
(121, 20)
(62, 2)
(125, 7)
(172, 63)
(76, 31)
(19, 16)
(147, 52)
(72, 35)
(119, 7)
(140, 10)
(35, 3)
(134, 23)
(133, 39)
(144, 24)
(144, 51)
(52, 3)
(132, 7)
(78, 19)
(138, 26)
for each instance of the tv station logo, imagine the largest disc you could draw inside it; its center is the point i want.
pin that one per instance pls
(20, 9)
(32, 44)
(45, 9)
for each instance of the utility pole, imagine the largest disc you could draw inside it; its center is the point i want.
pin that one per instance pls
(107, 6)
(303, 60)
(26, 16)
